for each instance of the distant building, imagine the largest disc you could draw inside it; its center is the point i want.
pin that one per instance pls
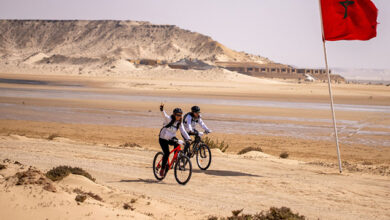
(276, 70)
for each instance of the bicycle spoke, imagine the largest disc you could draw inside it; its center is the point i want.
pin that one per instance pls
(183, 170)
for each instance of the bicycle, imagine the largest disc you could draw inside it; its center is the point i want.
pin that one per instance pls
(202, 152)
(180, 162)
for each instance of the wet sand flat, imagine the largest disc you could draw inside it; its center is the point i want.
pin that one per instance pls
(274, 124)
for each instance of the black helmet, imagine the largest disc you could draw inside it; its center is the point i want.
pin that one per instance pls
(177, 110)
(195, 108)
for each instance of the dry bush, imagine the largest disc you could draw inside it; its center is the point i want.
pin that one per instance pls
(273, 213)
(216, 144)
(60, 172)
(128, 206)
(367, 163)
(130, 144)
(80, 198)
(90, 194)
(237, 212)
(2, 166)
(52, 136)
(34, 177)
(284, 155)
(278, 213)
(248, 149)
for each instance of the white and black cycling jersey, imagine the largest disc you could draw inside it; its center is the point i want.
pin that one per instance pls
(190, 123)
(169, 129)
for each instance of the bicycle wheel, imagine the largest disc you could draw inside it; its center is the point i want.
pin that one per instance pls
(203, 157)
(183, 170)
(157, 166)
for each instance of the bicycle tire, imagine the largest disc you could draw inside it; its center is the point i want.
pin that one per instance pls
(203, 149)
(183, 160)
(157, 172)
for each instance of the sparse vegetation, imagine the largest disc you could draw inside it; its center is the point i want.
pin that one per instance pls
(52, 136)
(284, 155)
(130, 144)
(81, 198)
(248, 149)
(216, 144)
(32, 176)
(237, 212)
(366, 163)
(128, 206)
(60, 172)
(383, 170)
(2, 167)
(273, 213)
(90, 194)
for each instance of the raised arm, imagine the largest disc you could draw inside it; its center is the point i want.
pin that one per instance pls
(166, 117)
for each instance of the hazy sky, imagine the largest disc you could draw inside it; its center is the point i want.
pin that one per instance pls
(286, 31)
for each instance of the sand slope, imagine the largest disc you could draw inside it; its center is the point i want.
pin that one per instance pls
(83, 42)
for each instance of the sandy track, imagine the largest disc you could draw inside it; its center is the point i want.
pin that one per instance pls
(233, 182)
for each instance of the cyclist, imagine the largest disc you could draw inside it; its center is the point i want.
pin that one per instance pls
(167, 134)
(191, 119)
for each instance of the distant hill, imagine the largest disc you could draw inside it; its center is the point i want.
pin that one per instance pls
(87, 42)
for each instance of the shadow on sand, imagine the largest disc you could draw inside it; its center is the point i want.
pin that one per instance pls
(224, 173)
(140, 180)
(207, 172)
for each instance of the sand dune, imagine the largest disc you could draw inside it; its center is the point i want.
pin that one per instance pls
(24, 195)
(123, 174)
(77, 42)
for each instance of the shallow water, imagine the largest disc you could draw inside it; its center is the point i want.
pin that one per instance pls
(38, 82)
(350, 131)
(69, 94)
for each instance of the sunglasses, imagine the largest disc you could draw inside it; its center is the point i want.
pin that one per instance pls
(179, 115)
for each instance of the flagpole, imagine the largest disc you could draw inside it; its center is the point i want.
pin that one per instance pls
(330, 93)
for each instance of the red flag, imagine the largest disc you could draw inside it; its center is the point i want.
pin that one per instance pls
(349, 19)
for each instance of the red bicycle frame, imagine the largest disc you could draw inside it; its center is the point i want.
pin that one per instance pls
(170, 164)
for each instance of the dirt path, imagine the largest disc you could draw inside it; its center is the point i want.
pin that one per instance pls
(232, 182)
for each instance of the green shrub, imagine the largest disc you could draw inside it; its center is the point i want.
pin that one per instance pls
(248, 149)
(216, 144)
(284, 155)
(60, 172)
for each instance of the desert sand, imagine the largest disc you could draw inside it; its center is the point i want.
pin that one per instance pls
(253, 181)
